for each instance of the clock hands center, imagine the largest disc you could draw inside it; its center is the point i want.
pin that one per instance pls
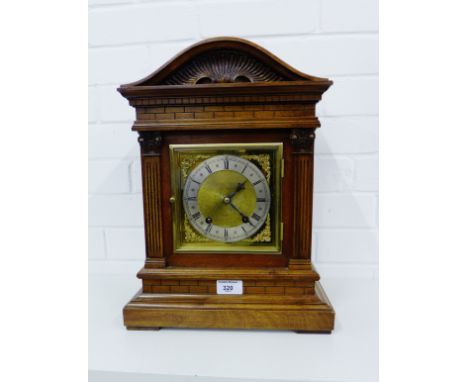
(240, 186)
(228, 200)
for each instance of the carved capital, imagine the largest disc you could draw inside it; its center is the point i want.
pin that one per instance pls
(150, 143)
(303, 140)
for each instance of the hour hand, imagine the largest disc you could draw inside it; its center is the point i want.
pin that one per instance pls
(240, 186)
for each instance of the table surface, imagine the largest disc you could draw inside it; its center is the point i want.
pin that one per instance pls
(350, 353)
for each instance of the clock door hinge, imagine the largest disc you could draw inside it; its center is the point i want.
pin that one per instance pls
(281, 231)
(282, 167)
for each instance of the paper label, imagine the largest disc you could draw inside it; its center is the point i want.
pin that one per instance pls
(229, 287)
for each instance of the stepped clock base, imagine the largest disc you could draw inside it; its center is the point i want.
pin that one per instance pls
(154, 311)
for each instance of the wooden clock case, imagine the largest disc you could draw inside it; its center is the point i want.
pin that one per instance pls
(228, 90)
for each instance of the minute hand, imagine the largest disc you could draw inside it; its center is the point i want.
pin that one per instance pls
(245, 218)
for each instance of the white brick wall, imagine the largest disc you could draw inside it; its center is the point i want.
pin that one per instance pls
(143, 22)
(257, 17)
(334, 38)
(327, 55)
(109, 177)
(125, 243)
(340, 16)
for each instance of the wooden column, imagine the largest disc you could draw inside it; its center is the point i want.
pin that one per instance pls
(150, 146)
(303, 163)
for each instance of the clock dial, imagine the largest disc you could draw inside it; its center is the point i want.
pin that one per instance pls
(226, 198)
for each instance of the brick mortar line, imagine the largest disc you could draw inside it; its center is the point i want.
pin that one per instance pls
(122, 228)
(111, 194)
(304, 36)
(343, 155)
(112, 159)
(137, 4)
(106, 246)
(360, 76)
(190, 40)
(320, 116)
(116, 226)
(357, 263)
(120, 159)
(348, 116)
(373, 226)
(359, 193)
(130, 177)
(141, 44)
(198, 38)
(333, 229)
(350, 192)
(133, 193)
(355, 33)
(368, 227)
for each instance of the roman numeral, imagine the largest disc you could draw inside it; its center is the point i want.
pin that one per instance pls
(243, 229)
(245, 168)
(191, 198)
(196, 216)
(226, 236)
(257, 182)
(226, 163)
(208, 228)
(193, 180)
(261, 200)
(256, 217)
(208, 169)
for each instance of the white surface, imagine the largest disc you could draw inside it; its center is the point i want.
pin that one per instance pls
(229, 287)
(350, 353)
(331, 38)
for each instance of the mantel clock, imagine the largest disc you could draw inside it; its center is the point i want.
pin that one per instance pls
(227, 132)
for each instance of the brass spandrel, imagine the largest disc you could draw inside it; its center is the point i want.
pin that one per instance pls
(266, 156)
(188, 162)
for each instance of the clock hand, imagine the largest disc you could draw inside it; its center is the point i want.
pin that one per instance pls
(240, 186)
(245, 218)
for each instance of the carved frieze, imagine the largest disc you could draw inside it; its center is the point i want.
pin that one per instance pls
(223, 66)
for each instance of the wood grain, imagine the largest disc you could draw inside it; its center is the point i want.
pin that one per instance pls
(234, 313)
(228, 90)
(150, 144)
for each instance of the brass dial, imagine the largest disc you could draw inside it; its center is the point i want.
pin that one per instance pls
(226, 198)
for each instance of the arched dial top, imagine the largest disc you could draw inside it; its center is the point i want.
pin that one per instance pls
(226, 198)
